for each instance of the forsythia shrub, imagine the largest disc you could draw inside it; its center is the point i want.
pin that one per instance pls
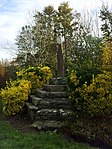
(95, 98)
(16, 92)
(37, 75)
(14, 96)
(107, 56)
(73, 78)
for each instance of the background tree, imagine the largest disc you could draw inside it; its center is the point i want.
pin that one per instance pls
(37, 42)
(3, 69)
(106, 18)
(41, 38)
(106, 28)
(25, 45)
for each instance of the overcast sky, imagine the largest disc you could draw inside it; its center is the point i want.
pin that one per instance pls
(14, 14)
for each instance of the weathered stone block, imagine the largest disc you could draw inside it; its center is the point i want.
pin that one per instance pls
(47, 94)
(48, 125)
(53, 114)
(50, 102)
(31, 111)
(55, 88)
(50, 107)
(57, 81)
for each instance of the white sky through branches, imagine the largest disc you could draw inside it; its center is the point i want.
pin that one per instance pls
(14, 14)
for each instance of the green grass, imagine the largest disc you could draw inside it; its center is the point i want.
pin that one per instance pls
(10, 138)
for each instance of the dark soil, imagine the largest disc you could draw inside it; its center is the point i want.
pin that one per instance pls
(20, 122)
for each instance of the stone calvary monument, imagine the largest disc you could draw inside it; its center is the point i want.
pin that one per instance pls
(49, 108)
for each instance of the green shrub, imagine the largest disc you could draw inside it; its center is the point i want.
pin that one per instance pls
(2, 81)
(2, 75)
(84, 73)
(11, 72)
(97, 130)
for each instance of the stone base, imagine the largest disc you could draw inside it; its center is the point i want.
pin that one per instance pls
(50, 108)
(58, 81)
(48, 125)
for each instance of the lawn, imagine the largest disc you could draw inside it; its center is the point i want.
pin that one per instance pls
(13, 138)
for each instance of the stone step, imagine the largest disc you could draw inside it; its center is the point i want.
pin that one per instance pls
(48, 125)
(57, 81)
(35, 113)
(55, 88)
(50, 102)
(53, 114)
(31, 110)
(46, 94)
(35, 100)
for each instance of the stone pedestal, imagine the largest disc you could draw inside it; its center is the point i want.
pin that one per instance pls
(49, 108)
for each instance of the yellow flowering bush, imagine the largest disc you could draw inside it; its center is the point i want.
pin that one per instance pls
(46, 72)
(14, 96)
(95, 98)
(107, 56)
(73, 78)
(37, 75)
(16, 92)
